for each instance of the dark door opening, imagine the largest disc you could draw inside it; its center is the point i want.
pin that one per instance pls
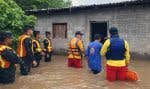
(99, 28)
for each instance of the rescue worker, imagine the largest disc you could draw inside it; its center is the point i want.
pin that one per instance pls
(8, 59)
(117, 53)
(25, 48)
(37, 48)
(93, 54)
(76, 50)
(48, 49)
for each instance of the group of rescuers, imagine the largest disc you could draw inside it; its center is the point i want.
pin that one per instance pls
(114, 48)
(30, 52)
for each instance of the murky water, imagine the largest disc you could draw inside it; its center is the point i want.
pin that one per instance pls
(56, 75)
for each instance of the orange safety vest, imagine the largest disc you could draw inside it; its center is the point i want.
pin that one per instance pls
(3, 62)
(74, 50)
(21, 47)
(38, 48)
(49, 45)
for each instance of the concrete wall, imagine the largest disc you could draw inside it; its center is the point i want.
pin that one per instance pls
(133, 24)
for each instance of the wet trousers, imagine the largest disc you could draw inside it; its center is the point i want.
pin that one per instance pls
(7, 75)
(48, 56)
(116, 73)
(77, 63)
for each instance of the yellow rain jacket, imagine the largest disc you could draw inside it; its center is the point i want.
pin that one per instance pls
(117, 63)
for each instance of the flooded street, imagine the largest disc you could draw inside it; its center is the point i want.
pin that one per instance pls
(56, 75)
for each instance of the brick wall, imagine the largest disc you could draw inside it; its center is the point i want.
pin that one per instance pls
(133, 24)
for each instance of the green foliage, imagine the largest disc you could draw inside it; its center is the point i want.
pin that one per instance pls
(13, 18)
(40, 4)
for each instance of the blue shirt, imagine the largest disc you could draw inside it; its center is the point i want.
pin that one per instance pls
(93, 53)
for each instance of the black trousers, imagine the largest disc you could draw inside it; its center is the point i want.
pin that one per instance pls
(28, 62)
(7, 75)
(38, 58)
(48, 56)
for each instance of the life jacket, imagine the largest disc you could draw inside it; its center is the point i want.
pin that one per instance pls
(74, 50)
(116, 51)
(49, 47)
(21, 46)
(4, 64)
(36, 46)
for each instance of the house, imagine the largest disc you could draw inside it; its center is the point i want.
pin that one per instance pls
(132, 18)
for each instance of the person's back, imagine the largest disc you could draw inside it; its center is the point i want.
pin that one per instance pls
(95, 48)
(117, 54)
(25, 47)
(21, 46)
(75, 51)
(116, 49)
(94, 57)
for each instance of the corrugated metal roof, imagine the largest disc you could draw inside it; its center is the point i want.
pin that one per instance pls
(88, 7)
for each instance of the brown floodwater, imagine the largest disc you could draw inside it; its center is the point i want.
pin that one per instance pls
(56, 75)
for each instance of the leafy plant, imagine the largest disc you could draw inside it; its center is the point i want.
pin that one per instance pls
(13, 18)
(40, 4)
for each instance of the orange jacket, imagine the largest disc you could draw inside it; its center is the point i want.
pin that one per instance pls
(3, 62)
(21, 47)
(76, 48)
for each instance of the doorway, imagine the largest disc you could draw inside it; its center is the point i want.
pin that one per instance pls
(99, 28)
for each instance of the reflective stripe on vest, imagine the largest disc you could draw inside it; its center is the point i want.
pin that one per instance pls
(74, 49)
(38, 48)
(49, 45)
(3, 62)
(21, 47)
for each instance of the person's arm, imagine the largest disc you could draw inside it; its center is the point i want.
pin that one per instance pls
(51, 44)
(28, 47)
(105, 47)
(34, 46)
(127, 53)
(88, 51)
(45, 43)
(11, 56)
(81, 46)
